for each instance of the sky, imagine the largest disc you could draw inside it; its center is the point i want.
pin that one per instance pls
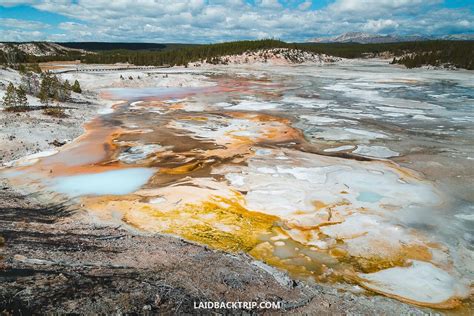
(208, 21)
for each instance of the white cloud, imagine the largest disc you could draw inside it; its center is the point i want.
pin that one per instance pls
(378, 6)
(22, 24)
(221, 20)
(269, 4)
(380, 25)
(70, 26)
(22, 35)
(10, 3)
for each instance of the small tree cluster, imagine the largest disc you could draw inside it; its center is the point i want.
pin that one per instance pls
(48, 87)
(14, 98)
(52, 89)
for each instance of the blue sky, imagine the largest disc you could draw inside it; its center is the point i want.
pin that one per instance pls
(204, 21)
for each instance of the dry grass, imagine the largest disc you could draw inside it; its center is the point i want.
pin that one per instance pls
(55, 112)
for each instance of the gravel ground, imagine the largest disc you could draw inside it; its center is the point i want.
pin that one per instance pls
(56, 260)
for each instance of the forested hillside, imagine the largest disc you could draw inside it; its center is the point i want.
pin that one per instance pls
(458, 54)
(183, 55)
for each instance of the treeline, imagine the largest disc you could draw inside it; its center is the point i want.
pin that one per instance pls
(411, 54)
(457, 54)
(463, 49)
(181, 56)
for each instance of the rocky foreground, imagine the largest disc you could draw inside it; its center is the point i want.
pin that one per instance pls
(54, 262)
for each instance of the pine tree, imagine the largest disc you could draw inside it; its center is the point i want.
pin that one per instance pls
(66, 90)
(55, 88)
(21, 99)
(44, 90)
(9, 99)
(76, 87)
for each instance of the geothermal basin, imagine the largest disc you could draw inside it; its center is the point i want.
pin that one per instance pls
(357, 174)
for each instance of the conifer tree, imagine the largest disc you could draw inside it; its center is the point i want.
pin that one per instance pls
(21, 99)
(76, 87)
(55, 88)
(9, 99)
(66, 90)
(44, 90)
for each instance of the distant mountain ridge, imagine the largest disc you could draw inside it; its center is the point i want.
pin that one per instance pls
(459, 37)
(369, 38)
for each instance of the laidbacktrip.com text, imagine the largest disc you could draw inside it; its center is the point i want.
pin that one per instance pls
(237, 305)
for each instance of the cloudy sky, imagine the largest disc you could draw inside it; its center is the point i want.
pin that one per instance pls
(205, 21)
